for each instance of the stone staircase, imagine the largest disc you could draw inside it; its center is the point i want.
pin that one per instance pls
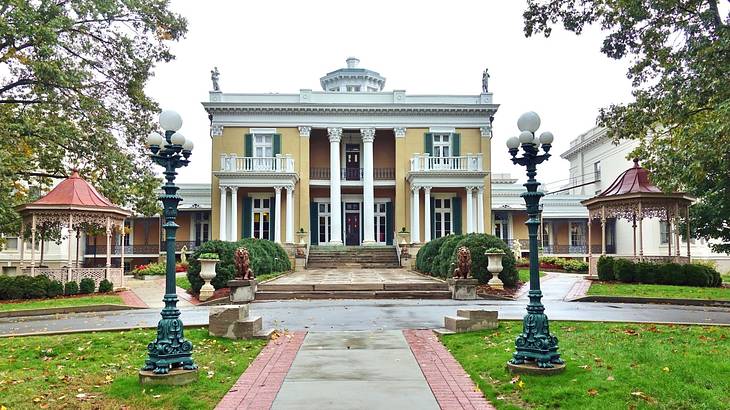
(359, 257)
(433, 290)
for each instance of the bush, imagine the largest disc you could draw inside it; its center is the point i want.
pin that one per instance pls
(443, 263)
(624, 270)
(575, 265)
(605, 268)
(428, 255)
(86, 286)
(697, 275)
(105, 286)
(670, 274)
(150, 269)
(71, 288)
(646, 273)
(55, 288)
(266, 257)
(478, 244)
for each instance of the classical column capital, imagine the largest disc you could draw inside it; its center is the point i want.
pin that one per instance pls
(415, 188)
(368, 134)
(469, 189)
(223, 188)
(480, 189)
(216, 130)
(233, 189)
(335, 134)
(304, 131)
(278, 188)
(486, 131)
(427, 189)
(289, 187)
(400, 132)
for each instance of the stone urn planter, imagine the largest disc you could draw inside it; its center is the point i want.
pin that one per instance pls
(207, 273)
(302, 237)
(404, 236)
(494, 266)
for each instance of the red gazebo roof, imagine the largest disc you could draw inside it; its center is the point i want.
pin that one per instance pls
(632, 181)
(74, 190)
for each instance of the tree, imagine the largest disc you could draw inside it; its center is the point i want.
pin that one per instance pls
(72, 95)
(680, 51)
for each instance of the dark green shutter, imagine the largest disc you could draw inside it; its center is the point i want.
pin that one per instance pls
(277, 144)
(428, 143)
(246, 220)
(272, 218)
(248, 145)
(433, 218)
(389, 223)
(362, 225)
(455, 145)
(456, 215)
(313, 223)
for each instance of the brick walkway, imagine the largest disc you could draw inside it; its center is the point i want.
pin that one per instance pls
(258, 385)
(131, 299)
(448, 381)
(578, 290)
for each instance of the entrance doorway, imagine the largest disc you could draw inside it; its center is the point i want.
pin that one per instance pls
(352, 224)
(352, 162)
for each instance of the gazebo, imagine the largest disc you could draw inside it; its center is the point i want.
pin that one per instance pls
(633, 197)
(77, 206)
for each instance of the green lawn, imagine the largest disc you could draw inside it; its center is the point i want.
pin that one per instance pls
(61, 302)
(99, 371)
(609, 366)
(658, 291)
(525, 274)
(267, 276)
(183, 282)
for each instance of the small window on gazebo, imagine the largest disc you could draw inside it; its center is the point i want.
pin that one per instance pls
(663, 232)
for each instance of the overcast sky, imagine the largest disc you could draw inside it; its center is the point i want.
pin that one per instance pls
(423, 47)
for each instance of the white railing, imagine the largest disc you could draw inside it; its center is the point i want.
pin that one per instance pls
(63, 275)
(236, 163)
(468, 162)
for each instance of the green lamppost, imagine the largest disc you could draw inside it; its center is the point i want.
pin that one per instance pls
(536, 348)
(170, 351)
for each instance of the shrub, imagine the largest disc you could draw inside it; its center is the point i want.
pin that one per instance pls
(624, 270)
(670, 274)
(478, 244)
(605, 268)
(86, 286)
(646, 273)
(105, 286)
(55, 288)
(428, 255)
(181, 267)
(150, 269)
(71, 288)
(696, 275)
(208, 255)
(575, 265)
(443, 264)
(35, 287)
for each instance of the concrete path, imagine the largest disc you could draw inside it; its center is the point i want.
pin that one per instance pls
(320, 315)
(355, 370)
(555, 286)
(152, 291)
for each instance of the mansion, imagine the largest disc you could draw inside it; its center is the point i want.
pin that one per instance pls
(351, 164)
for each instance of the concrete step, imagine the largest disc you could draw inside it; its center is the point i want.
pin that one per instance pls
(428, 286)
(365, 294)
(477, 314)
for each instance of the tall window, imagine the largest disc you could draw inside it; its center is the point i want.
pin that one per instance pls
(501, 227)
(263, 151)
(442, 217)
(380, 222)
(353, 88)
(202, 227)
(11, 243)
(324, 222)
(664, 232)
(547, 234)
(597, 170)
(577, 233)
(260, 218)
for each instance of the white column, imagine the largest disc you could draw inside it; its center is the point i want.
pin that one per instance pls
(277, 215)
(121, 256)
(68, 237)
(289, 214)
(222, 214)
(108, 247)
(426, 214)
(335, 135)
(415, 227)
(368, 190)
(234, 214)
(480, 209)
(32, 245)
(21, 243)
(469, 210)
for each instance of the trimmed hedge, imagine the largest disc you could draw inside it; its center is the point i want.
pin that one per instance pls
(71, 288)
(38, 287)
(625, 270)
(553, 262)
(266, 257)
(105, 286)
(438, 257)
(87, 286)
(605, 268)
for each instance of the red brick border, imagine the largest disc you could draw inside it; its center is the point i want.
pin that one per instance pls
(449, 383)
(579, 289)
(131, 299)
(184, 295)
(260, 383)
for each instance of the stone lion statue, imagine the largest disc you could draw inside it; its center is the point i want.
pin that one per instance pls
(243, 264)
(463, 263)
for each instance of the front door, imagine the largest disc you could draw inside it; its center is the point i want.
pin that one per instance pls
(352, 229)
(352, 162)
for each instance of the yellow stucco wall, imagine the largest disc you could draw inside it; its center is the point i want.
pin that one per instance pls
(232, 141)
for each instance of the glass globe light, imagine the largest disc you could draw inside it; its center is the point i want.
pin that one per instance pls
(513, 143)
(154, 139)
(529, 121)
(546, 137)
(177, 138)
(526, 137)
(188, 145)
(170, 120)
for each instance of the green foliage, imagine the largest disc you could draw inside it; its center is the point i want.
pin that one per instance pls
(105, 286)
(74, 77)
(71, 288)
(87, 286)
(55, 288)
(494, 250)
(445, 264)
(646, 272)
(670, 274)
(575, 265)
(150, 269)
(478, 245)
(679, 66)
(428, 254)
(605, 268)
(697, 275)
(208, 255)
(266, 257)
(624, 270)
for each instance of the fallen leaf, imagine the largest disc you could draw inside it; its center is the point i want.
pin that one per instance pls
(610, 378)
(592, 392)
(665, 369)
(521, 384)
(514, 380)
(81, 396)
(157, 396)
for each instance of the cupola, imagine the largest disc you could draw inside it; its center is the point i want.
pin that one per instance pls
(353, 79)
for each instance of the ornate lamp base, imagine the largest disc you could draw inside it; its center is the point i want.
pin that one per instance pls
(536, 346)
(169, 351)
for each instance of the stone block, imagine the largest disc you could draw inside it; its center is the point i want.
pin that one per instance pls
(456, 324)
(477, 314)
(242, 291)
(463, 289)
(228, 313)
(470, 320)
(247, 329)
(176, 377)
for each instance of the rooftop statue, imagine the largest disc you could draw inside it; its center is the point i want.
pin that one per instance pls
(485, 81)
(215, 75)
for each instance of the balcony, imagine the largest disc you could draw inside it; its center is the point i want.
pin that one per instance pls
(524, 246)
(277, 164)
(463, 163)
(352, 174)
(148, 249)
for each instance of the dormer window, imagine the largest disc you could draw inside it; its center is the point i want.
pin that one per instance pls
(353, 88)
